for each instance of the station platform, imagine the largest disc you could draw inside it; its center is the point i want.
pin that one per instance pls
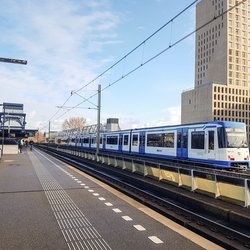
(47, 204)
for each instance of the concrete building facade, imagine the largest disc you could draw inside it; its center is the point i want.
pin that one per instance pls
(222, 88)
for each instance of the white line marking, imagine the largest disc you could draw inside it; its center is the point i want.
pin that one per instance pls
(83, 184)
(117, 210)
(86, 187)
(91, 190)
(155, 239)
(127, 218)
(139, 228)
(95, 194)
(79, 181)
(102, 199)
(76, 179)
(109, 204)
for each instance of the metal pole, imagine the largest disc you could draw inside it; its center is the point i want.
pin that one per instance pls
(98, 120)
(3, 130)
(49, 131)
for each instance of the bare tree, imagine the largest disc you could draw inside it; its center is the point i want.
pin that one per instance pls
(74, 123)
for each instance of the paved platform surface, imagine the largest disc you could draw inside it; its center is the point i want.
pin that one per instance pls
(47, 204)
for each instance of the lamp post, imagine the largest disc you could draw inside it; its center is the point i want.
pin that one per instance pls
(11, 60)
(16, 61)
(49, 132)
(2, 123)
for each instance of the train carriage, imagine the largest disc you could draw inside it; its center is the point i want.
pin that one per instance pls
(218, 144)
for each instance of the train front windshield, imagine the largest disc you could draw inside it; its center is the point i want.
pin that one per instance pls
(236, 138)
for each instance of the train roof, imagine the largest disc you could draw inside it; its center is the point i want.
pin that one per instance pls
(226, 124)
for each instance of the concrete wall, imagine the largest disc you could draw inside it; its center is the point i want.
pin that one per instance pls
(196, 105)
(10, 149)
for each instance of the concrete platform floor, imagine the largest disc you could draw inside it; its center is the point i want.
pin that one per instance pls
(47, 204)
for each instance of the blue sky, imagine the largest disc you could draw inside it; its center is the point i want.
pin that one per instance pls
(67, 43)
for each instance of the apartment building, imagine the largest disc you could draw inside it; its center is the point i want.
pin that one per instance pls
(222, 88)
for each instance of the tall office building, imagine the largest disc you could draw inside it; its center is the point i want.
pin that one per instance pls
(222, 67)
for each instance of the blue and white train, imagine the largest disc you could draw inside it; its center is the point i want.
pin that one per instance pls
(218, 144)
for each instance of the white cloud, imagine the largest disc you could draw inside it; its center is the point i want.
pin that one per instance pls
(170, 116)
(57, 38)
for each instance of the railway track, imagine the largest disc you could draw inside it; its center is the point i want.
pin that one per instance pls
(155, 195)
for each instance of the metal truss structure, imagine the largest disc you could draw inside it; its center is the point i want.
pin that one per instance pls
(12, 117)
(92, 129)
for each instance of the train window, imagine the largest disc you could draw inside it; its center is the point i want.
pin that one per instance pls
(211, 140)
(236, 138)
(142, 140)
(168, 140)
(93, 140)
(179, 140)
(135, 140)
(120, 140)
(160, 140)
(154, 140)
(182, 140)
(101, 140)
(185, 140)
(86, 140)
(125, 140)
(113, 140)
(221, 138)
(198, 139)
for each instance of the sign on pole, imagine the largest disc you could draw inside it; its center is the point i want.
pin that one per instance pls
(11, 60)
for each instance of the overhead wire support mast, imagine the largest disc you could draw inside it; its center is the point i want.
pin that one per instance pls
(98, 120)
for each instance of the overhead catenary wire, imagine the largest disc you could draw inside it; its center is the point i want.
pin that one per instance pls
(153, 57)
(139, 45)
(174, 44)
(124, 58)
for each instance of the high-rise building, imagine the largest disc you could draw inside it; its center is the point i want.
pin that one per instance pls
(222, 67)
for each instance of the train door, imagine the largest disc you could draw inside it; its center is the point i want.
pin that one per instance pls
(135, 142)
(142, 142)
(182, 143)
(104, 142)
(210, 143)
(125, 142)
(120, 142)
